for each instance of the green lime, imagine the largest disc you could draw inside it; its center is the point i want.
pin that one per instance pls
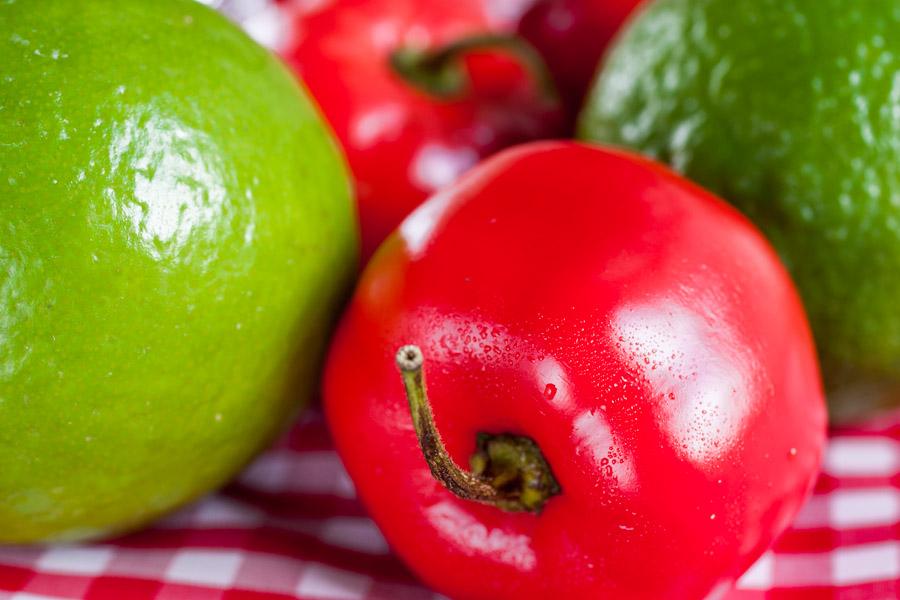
(791, 111)
(176, 234)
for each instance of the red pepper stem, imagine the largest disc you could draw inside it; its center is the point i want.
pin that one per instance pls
(510, 471)
(439, 71)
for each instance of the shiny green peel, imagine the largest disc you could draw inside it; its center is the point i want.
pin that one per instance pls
(176, 236)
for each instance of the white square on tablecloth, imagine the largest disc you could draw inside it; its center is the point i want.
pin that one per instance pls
(284, 471)
(204, 567)
(355, 533)
(216, 511)
(319, 581)
(862, 457)
(75, 560)
(876, 507)
(869, 562)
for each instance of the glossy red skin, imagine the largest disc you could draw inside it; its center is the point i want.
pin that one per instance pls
(640, 330)
(505, 14)
(401, 143)
(572, 36)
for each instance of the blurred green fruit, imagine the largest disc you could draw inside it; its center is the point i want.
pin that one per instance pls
(176, 235)
(791, 111)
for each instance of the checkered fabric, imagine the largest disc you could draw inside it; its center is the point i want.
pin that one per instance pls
(290, 527)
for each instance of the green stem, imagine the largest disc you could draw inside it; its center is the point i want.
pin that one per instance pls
(439, 71)
(509, 471)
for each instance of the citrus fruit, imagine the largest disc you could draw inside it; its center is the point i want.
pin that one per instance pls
(791, 111)
(176, 232)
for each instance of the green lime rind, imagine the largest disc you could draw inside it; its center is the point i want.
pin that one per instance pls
(176, 235)
(791, 111)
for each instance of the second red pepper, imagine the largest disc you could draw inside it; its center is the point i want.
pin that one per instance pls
(408, 132)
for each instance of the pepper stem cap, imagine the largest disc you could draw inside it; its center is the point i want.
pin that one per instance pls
(508, 471)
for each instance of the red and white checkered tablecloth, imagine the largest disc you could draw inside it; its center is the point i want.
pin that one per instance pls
(290, 527)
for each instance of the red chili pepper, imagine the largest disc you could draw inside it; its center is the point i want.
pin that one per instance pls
(618, 357)
(572, 35)
(417, 94)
